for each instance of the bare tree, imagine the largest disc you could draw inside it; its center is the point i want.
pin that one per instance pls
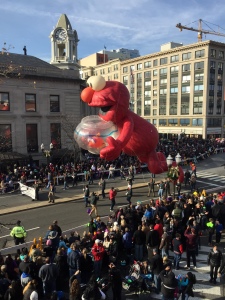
(68, 125)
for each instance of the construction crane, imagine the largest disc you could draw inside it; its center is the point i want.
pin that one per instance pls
(199, 30)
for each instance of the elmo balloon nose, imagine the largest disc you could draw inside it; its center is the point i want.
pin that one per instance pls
(87, 94)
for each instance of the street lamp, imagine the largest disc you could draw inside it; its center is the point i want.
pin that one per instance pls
(47, 153)
(173, 171)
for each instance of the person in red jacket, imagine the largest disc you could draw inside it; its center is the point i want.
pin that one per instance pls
(98, 251)
(159, 227)
(191, 244)
(112, 196)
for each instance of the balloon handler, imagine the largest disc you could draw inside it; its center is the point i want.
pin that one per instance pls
(137, 137)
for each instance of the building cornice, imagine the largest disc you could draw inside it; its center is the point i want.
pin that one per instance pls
(174, 50)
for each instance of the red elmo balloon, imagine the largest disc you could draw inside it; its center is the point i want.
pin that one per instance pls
(137, 137)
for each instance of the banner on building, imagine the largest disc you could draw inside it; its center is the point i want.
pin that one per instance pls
(27, 190)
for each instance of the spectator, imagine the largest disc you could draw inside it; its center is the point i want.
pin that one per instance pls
(48, 274)
(169, 283)
(215, 261)
(152, 241)
(86, 266)
(156, 264)
(139, 239)
(116, 281)
(75, 290)
(98, 252)
(14, 292)
(73, 260)
(191, 245)
(177, 250)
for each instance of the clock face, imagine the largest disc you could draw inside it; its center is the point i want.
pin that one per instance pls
(60, 35)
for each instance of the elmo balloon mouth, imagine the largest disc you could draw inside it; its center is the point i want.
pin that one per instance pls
(103, 110)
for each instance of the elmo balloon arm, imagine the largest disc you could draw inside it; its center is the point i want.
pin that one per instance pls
(126, 131)
(114, 148)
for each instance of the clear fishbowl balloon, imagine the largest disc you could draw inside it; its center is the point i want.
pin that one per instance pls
(92, 132)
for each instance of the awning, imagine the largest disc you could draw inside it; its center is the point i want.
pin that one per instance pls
(10, 156)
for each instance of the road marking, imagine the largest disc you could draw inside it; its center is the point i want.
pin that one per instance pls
(26, 230)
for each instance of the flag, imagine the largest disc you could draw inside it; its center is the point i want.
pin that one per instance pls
(104, 47)
(131, 75)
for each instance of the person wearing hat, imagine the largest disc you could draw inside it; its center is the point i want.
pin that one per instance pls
(98, 251)
(18, 233)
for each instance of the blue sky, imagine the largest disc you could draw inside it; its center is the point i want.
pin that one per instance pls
(133, 24)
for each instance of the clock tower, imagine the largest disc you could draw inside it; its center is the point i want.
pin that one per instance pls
(64, 42)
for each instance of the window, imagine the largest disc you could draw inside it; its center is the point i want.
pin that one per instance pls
(185, 122)
(155, 102)
(163, 71)
(155, 72)
(4, 102)
(197, 108)
(199, 65)
(147, 83)
(198, 87)
(212, 64)
(199, 53)
(155, 62)
(221, 54)
(199, 76)
(139, 75)
(115, 67)
(147, 110)
(163, 61)
(174, 90)
(148, 94)
(186, 67)
(174, 69)
(213, 53)
(186, 78)
(220, 65)
(162, 122)
(173, 80)
(125, 79)
(163, 81)
(214, 122)
(154, 82)
(154, 112)
(115, 76)
(32, 138)
(30, 102)
(154, 122)
(147, 64)
(109, 70)
(197, 122)
(139, 66)
(173, 106)
(185, 89)
(54, 103)
(147, 74)
(125, 69)
(5, 138)
(186, 56)
(174, 58)
(173, 122)
(162, 91)
(55, 132)
(198, 99)
(155, 93)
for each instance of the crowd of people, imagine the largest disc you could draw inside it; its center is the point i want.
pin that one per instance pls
(155, 234)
